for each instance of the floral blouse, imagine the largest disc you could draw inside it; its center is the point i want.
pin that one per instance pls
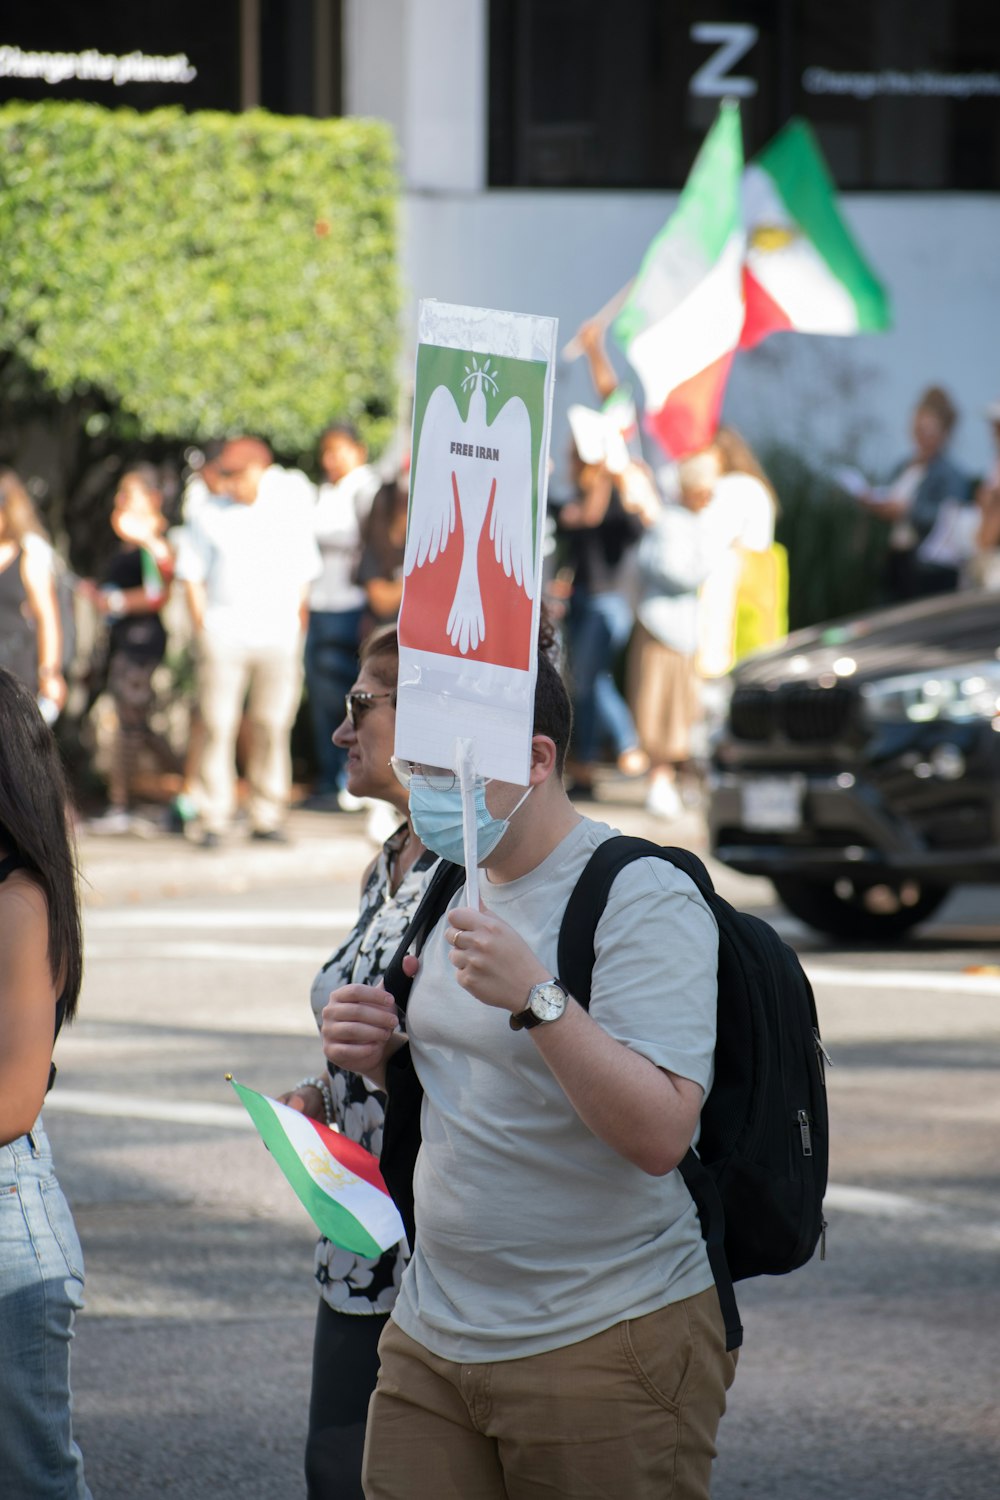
(350, 1283)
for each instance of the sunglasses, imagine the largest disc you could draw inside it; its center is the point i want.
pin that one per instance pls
(358, 704)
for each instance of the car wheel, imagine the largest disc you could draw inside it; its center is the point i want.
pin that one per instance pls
(865, 912)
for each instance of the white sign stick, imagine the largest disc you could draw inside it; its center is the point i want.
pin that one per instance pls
(465, 761)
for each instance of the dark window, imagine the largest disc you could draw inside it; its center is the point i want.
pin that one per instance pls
(294, 59)
(84, 34)
(590, 94)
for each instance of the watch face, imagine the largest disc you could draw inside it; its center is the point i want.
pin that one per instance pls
(548, 1001)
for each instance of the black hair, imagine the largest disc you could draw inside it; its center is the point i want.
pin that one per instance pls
(148, 476)
(342, 429)
(553, 711)
(34, 826)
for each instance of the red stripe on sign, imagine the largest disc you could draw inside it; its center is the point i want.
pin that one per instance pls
(763, 315)
(350, 1155)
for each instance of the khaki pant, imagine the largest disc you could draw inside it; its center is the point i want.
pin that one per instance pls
(629, 1414)
(226, 672)
(663, 689)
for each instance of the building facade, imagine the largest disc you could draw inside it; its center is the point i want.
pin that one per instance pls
(543, 143)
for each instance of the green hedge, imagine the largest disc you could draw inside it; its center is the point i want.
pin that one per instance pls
(201, 273)
(836, 550)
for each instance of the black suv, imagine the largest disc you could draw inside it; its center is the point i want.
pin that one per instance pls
(859, 765)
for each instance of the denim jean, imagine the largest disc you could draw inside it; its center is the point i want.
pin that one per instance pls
(599, 627)
(41, 1290)
(331, 667)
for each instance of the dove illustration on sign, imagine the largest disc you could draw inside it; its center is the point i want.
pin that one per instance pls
(470, 468)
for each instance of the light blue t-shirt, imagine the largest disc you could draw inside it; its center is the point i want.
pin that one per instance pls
(533, 1234)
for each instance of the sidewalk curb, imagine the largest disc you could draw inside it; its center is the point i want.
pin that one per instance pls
(323, 847)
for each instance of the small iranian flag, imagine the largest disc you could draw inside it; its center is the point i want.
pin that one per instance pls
(337, 1181)
(681, 322)
(803, 270)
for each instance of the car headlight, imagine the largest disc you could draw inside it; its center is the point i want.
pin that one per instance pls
(951, 695)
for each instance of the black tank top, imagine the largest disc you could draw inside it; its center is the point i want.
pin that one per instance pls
(18, 644)
(7, 867)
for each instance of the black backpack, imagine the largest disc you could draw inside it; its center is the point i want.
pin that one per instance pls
(759, 1174)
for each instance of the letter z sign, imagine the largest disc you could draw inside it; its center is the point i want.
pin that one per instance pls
(713, 79)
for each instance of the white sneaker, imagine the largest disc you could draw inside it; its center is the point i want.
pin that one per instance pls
(662, 800)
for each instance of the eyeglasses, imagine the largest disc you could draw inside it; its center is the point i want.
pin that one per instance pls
(358, 704)
(438, 778)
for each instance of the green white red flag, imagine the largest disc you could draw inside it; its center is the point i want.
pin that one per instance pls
(746, 253)
(337, 1181)
(803, 270)
(681, 322)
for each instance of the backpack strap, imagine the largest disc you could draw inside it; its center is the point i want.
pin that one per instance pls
(590, 895)
(433, 904)
(575, 969)
(401, 1127)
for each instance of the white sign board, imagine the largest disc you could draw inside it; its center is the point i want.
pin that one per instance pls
(468, 623)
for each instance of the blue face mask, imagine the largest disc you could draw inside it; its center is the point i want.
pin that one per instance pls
(437, 820)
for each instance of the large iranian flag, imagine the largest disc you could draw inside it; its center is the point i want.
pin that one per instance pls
(681, 322)
(337, 1181)
(803, 269)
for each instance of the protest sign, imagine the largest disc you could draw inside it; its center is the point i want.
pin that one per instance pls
(468, 622)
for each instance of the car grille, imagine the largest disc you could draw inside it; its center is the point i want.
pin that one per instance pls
(798, 711)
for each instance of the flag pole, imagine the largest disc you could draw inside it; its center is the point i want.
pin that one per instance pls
(574, 348)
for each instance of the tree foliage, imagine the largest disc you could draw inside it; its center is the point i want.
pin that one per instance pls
(183, 276)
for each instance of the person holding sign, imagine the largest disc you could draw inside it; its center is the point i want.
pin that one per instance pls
(557, 1328)
(357, 1293)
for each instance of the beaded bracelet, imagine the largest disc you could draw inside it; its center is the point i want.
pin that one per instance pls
(322, 1085)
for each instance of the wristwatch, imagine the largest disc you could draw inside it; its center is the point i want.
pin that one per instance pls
(546, 1002)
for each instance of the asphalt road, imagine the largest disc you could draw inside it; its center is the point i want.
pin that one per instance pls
(871, 1374)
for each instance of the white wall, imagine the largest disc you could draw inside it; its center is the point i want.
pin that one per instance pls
(421, 65)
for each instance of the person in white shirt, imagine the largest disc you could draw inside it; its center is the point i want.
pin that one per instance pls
(743, 512)
(247, 559)
(336, 601)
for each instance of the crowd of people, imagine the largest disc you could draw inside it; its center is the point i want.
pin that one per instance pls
(660, 580)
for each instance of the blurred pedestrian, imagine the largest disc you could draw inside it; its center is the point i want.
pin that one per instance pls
(600, 536)
(357, 1294)
(31, 636)
(247, 560)
(133, 592)
(983, 570)
(676, 556)
(383, 546)
(918, 488)
(336, 601)
(41, 1264)
(202, 482)
(744, 601)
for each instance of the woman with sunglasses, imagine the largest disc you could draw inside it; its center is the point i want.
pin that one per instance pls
(356, 1295)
